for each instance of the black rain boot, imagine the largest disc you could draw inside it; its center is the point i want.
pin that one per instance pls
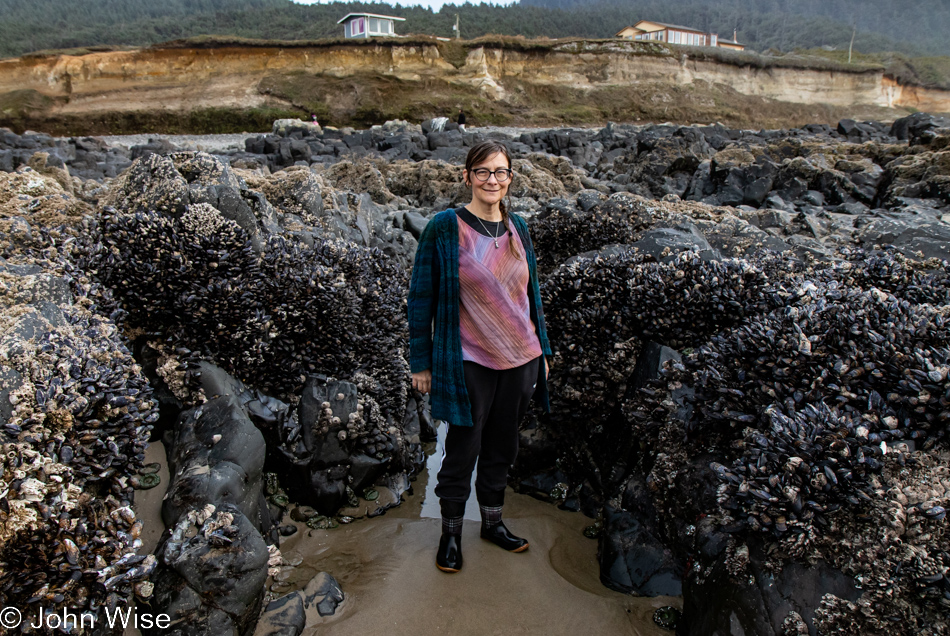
(449, 556)
(494, 530)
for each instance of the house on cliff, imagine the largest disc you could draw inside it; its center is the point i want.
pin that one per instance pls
(674, 34)
(369, 25)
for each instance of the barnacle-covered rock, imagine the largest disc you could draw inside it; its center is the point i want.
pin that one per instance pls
(359, 177)
(30, 200)
(800, 388)
(269, 318)
(560, 232)
(73, 428)
(338, 441)
(212, 567)
(428, 183)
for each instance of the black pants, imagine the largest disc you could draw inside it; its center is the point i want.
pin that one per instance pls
(499, 401)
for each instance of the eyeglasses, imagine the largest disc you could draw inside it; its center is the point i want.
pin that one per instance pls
(501, 175)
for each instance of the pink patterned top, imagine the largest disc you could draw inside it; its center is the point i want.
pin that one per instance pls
(494, 313)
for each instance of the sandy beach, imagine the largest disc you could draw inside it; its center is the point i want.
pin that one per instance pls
(386, 567)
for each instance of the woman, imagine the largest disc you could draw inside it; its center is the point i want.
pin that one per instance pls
(477, 345)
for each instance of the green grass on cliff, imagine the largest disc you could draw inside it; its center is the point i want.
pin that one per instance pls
(22, 105)
(368, 99)
(930, 72)
(206, 121)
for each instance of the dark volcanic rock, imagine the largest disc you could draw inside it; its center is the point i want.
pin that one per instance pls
(758, 601)
(217, 456)
(287, 615)
(664, 243)
(282, 617)
(324, 594)
(211, 583)
(338, 445)
(914, 126)
(632, 557)
(914, 238)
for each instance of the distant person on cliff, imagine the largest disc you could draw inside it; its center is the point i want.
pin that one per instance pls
(461, 120)
(475, 280)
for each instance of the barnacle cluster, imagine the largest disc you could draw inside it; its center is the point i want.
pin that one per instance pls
(561, 232)
(269, 315)
(77, 411)
(810, 392)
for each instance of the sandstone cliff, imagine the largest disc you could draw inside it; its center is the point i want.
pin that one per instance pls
(583, 81)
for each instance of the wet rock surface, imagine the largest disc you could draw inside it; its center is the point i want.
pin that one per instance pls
(213, 566)
(750, 377)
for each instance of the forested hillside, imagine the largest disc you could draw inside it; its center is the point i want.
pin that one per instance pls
(916, 28)
(913, 26)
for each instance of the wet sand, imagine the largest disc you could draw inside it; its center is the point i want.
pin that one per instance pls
(386, 568)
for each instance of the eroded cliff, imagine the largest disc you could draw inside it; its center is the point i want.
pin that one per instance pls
(573, 82)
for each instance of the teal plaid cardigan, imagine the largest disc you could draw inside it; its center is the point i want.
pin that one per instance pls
(435, 338)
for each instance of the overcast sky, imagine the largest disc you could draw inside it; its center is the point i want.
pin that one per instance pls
(434, 4)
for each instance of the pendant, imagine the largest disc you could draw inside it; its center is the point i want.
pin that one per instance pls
(496, 244)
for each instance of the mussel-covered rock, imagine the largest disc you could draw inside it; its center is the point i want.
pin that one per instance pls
(74, 425)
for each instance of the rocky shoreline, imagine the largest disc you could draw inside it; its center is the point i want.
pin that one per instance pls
(750, 375)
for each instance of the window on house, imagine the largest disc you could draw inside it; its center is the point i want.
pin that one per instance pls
(387, 26)
(715, 39)
(358, 26)
(374, 25)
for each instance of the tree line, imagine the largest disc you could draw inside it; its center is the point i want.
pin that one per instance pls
(913, 28)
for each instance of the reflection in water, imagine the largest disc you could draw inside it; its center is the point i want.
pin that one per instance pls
(430, 503)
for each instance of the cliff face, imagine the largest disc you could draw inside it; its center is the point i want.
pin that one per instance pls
(596, 66)
(185, 79)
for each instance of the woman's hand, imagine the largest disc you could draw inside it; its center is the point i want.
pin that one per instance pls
(422, 381)
(546, 369)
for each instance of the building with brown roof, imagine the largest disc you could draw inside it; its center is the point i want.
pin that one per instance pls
(646, 30)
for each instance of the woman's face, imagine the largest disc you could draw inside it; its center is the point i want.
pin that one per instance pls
(489, 192)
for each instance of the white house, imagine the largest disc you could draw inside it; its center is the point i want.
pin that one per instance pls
(367, 25)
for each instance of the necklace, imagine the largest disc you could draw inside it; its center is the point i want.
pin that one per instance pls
(495, 237)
